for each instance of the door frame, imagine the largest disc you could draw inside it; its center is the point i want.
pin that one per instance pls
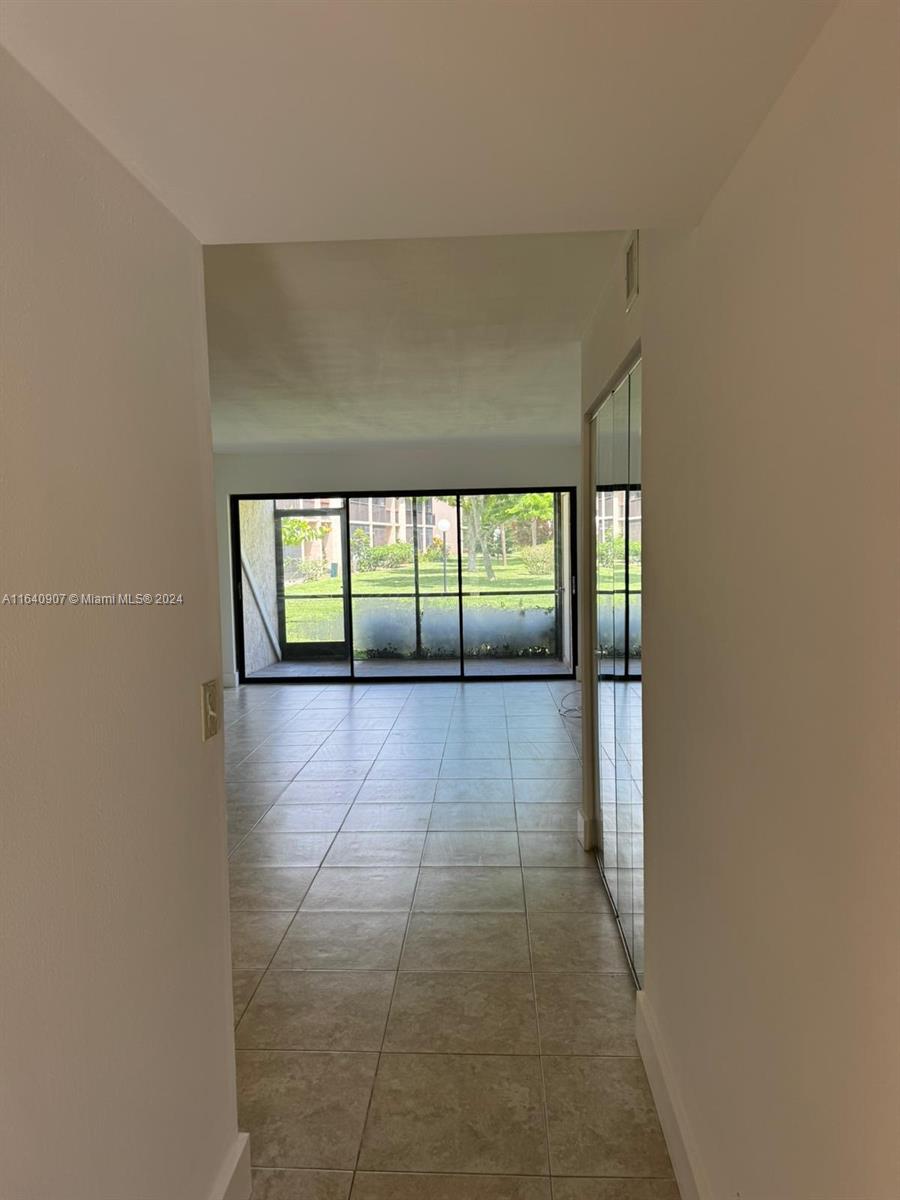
(336, 650)
(234, 500)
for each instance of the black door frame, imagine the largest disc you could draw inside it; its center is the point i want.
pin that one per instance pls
(295, 651)
(626, 676)
(351, 675)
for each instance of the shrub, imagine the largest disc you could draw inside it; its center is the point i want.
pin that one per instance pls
(611, 551)
(361, 550)
(397, 554)
(538, 560)
(312, 568)
(435, 552)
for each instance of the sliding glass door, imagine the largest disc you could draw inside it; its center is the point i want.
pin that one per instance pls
(415, 585)
(405, 585)
(511, 586)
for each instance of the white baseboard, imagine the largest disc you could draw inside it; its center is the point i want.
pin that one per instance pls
(683, 1152)
(234, 1182)
(229, 680)
(587, 831)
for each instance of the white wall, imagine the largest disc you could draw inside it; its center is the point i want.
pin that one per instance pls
(116, 1079)
(771, 384)
(382, 469)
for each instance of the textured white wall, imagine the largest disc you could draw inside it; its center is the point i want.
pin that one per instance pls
(771, 437)
(116, 1048)
(382, 469)
(258, 549)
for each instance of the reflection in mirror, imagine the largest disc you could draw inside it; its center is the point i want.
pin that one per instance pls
(616, 469)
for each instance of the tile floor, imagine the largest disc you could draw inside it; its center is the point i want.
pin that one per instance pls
(431, 1000)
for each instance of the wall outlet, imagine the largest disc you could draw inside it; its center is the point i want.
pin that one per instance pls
(209, 701)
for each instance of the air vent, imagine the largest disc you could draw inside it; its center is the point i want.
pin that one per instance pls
(632, 284)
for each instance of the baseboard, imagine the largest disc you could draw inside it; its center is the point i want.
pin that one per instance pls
(229, 680)
(234, 1182)
(683, 1152)
(586, 831)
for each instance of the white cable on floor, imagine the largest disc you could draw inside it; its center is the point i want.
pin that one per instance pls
(573, 711)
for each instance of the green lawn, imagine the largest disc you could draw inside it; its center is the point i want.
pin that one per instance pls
(321, 619)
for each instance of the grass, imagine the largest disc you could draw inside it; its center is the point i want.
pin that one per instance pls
(321, 619)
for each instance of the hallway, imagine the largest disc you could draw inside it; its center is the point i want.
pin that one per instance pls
(430, 993)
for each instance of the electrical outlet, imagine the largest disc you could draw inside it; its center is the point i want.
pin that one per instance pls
(209, 702)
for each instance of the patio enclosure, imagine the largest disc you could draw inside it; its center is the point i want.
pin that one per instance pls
(473, 584)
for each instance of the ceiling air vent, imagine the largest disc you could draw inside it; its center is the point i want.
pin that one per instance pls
(632, 286)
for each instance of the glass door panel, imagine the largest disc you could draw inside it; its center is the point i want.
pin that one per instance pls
(310, 566)
(438, 584)
(510, 580)
(382, 558)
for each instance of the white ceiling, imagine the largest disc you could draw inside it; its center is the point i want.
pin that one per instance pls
(400, 340)
(299, 120)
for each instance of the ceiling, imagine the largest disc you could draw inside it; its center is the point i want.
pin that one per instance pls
(400, 340)
(303, 120)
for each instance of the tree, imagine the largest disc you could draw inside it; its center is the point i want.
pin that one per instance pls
(532, 507)
(483, 516)
(297, 531)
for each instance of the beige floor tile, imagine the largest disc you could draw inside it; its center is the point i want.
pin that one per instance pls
(473, 816)
(575, 942)
(615, 1189)
(601, 1118)
(330, 791)
(565, 889)
(496, 767)
(243, 981)
(470, 1113)
(547, 818)
(361, 888)
(317, 1010)
(368, 941)
(333, 769)
(554, 850)
(472, 889)
(304, 1109)
(265, 772)
(466, 942)
(268, 887)
(255, 937)
(303, 818)
(548, 791)
(253, 793)
(396, 791)
(548, 768)
(585, 1014)
(468, 791)
(387, 817)
(471, 850)
(470, 1013)
(283, 849)
(449, 1187)
(301, 1185)
(243, 817)
(376, 850)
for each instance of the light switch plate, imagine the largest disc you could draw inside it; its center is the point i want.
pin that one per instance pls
(209, 701)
